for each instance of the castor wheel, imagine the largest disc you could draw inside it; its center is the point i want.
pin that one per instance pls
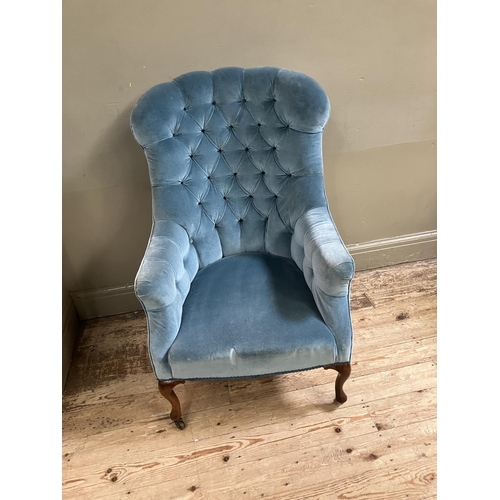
(180, 424)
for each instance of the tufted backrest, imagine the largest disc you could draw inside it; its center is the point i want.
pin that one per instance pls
(234, 156)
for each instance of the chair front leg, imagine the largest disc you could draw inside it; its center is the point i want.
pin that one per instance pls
(343, 374)
(167, 391)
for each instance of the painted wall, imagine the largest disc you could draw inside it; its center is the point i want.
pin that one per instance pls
(376, 59)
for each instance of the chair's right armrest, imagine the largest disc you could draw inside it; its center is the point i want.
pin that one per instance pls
(162, 284)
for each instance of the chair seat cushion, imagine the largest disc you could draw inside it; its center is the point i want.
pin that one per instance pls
(250, 315)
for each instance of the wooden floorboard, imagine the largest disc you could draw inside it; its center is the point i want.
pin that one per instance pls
(279, 437)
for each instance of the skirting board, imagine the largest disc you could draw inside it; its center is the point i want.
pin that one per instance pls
(69, 333)
(391, 251)
(105, 301)
(108, 301)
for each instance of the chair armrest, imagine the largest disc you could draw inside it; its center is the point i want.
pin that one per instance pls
(328, 269)
(319, 251)
(162, 284)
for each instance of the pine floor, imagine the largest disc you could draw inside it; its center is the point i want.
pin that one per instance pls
(275, 438)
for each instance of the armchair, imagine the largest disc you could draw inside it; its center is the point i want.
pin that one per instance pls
(245, 274)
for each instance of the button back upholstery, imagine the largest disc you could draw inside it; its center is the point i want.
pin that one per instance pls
(235, 163)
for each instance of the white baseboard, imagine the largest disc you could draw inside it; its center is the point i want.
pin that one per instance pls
(397, 250)
(69, 333)
(111, 300)
(105, 301)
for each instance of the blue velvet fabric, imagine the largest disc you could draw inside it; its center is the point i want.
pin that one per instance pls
(235, 163)
(274, 321)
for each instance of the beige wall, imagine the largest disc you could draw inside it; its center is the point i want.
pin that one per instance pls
(375, 59)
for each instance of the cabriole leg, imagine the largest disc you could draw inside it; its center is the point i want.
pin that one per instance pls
(343, 374)
(167, 391)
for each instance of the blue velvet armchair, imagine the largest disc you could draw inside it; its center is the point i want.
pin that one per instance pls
(245, 274)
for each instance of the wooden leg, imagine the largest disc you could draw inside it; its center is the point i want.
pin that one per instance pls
(343, 374)
(167, 391)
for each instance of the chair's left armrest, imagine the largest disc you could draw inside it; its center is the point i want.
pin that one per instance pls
(328, 268)
(319, 251)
